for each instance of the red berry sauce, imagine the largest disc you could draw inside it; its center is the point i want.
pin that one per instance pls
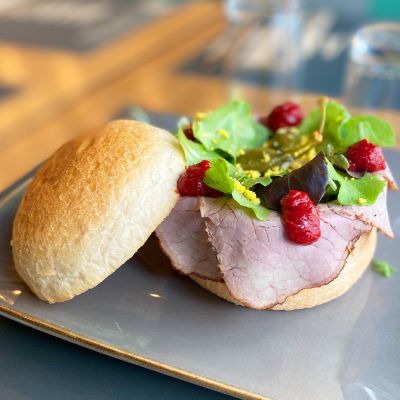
(364, 156)
(285, 115)
(300, 218)
(191, 183)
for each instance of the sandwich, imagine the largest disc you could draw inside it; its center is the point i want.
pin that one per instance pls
(284, 213)
(277, 212)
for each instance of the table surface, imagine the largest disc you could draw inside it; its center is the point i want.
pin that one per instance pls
(49, 94)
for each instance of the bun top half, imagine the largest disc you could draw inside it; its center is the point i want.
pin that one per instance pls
(92, 205)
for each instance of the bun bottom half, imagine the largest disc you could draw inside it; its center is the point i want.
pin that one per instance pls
(355, 265)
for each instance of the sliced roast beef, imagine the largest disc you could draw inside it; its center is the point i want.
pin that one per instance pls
(388, 176)
(375, 215)
(184, 239)
(260, 267)
(215, 239)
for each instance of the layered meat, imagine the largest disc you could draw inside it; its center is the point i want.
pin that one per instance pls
(215, 239)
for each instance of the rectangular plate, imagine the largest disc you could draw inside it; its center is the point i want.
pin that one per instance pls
(150, 316)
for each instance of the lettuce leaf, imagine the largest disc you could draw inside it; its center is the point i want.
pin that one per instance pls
(222, 135)
(222, 173)
(356, 192)
(374, 129)
(218, 176)
(248, 183)
(335, 115)
(194, 152)
(221, 176)
(259, 211)
(231, 128)
(341, 131)
(311, 178)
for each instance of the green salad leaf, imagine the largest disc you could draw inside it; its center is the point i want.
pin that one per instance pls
(384, 268)
(363, 191)
(340, 161)
(374, 129)
(194, 152)
(224, 134)
(218, 176)
(341, 131)
(259, 211)
(335, 115)
(250, 182)
(222, 175)
(352, 191)
(231, 128)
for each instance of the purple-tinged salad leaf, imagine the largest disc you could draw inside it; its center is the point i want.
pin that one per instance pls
(256, 167)
(273, 194)
(311, 178)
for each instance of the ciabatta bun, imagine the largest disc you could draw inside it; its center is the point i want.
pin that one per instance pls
(92, 205)
(356, 263)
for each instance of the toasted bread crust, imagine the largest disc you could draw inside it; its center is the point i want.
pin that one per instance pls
(92, 205)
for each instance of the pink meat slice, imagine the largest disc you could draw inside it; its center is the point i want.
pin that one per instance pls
(183, 238)
(388, 176)
(375, 215)
(215, 239)
(260, 267)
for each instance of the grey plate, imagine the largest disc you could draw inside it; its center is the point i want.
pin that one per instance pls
(148, 315)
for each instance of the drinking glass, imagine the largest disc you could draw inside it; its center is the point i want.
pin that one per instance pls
(373, 70)
(265, 38)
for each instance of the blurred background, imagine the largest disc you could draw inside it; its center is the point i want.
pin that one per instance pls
(69, 66)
